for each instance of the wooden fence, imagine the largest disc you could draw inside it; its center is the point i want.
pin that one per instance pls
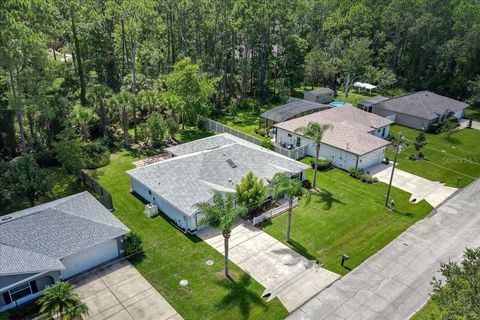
(215, 126)
(104, 195)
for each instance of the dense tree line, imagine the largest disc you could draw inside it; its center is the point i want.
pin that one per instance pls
(104, 66)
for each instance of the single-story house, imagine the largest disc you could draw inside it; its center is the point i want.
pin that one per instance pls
(54, 241)
(356, 140)
(320, 95)
(417, 110)
(294, 108)
(366, 105)
(201, 167)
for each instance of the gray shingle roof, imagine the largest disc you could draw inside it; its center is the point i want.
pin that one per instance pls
(373, 100)
(201, 144)
(350, 131)
(321, 91)
(291, 109)
(423, 104)
(53, 231)
(192, 178)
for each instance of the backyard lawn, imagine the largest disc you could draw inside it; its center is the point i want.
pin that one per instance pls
(447, 158)
(171, 256)
(245, 120)
(347, 217)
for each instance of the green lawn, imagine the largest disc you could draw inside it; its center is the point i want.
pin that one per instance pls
(429, 312)
(62, 185)
(447, 158)
(347, 217)
(171, 256)
(472, 113)
(246, 120)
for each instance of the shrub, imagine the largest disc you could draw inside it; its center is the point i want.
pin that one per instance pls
(96, 155)
(261, 132)
(447, 125)
(361, 175)
(412, 157)
(4, 316)
(268, 144)
(46, 158)
(323, 164)
(251, 192)
(307, 184)
(132, 243)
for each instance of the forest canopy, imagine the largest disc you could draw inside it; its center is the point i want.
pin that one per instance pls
(103, 66)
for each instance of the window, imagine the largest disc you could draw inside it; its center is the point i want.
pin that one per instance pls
(383, 132)
(20, 292)
(299, 140)
(150, 192)
(290, 135)
(370, 109)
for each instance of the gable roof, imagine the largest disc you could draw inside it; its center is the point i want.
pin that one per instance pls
(373, 100)
(291, 109)
(351, 128)
(422, 104)
(191, 178)
(38, 238)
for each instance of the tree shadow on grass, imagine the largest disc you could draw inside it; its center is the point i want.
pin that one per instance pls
(301, 249)
(240, 296)
(327, 198)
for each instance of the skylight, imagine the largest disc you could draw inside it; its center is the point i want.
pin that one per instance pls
(231, 163)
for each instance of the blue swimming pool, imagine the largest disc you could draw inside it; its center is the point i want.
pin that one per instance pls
(337, 103)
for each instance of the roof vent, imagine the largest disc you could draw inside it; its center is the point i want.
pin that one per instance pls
(231, 163)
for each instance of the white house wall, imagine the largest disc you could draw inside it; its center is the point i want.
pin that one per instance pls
(372, 158)
(89, 258)
(340, 158)
(380, 133)
(169, 210)
(459, 114)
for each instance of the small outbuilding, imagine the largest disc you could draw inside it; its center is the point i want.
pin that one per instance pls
(320, 95)
(294, 108)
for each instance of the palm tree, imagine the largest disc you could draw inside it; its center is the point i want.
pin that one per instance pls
(82, 117)
(221, 214)
(315, 131)
(283, 185)
(61, 300)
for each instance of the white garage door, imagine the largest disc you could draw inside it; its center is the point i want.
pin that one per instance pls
(89, 258)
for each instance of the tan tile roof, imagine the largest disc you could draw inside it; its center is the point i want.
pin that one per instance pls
(351, 128)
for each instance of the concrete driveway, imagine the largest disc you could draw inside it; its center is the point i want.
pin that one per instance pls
(394, 283)
(432, 191)
(119, 292)
(283, 272)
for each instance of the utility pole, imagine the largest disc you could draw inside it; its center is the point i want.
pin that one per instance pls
(393, 168)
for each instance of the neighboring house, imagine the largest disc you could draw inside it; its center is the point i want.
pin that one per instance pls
(201, 167)
(417, 110)
(356, 140)
(366, 105)
(54, 241)
(294, 108)
(320, 95)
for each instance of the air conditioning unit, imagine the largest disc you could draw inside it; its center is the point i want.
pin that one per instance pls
(151, 210)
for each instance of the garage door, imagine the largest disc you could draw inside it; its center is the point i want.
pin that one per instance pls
(89, 258)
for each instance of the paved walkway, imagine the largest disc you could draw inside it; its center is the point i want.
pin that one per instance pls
(432, 191)
(464, 123)
(283, 272)
(120, 292)
(395, 283)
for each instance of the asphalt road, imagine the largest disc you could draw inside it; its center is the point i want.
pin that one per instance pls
(395, 282)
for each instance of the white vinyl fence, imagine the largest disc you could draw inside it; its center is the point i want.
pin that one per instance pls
(272, 213)
(215, 126)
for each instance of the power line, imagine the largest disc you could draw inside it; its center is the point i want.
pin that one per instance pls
(444, 152)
